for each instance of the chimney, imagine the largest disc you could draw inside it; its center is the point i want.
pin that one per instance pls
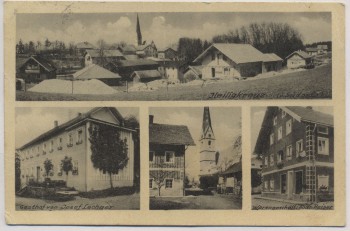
(55, 123)
(79, 114)
(151, 119)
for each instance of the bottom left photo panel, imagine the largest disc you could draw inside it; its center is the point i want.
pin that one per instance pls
(77, 158)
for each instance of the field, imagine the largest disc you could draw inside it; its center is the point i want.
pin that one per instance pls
(309, 84)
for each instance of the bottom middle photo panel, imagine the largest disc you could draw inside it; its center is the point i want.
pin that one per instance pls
(195, 158)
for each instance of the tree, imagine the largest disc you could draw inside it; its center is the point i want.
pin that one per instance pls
(31, 47)
(20, 47)
(47, 43)
(160, 174)
(48, 166)
(189, 48)
(67, 166)
(109, 151)
(17, 172)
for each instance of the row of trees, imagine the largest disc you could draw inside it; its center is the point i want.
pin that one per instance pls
(56, 46)
(278, 38)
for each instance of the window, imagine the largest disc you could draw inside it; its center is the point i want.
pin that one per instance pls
(283, 183)
(299, 147)
(280, 156)
(212, 56)
(169, 157)
(279, 134)
(266, 185)
(272, 185)
(44, 148)
(59, 143)
(275, 120)
(224, 57)
(150, 183)
(75, 167)
(70, 140)
(151, 156)
(322, 129)
(283, 114)
(226, 71)
(288, 127)
(168, 183)
(38, 151)
(323, 146)
(80, 136)
(272, 138)
(323, 183)
(51, 146)
(289, 152)
(209, 142)
(266, 160)
(271, 160)
(298, 182)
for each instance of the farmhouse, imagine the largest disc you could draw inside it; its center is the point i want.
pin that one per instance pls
(297, 149)
(94, 71)
(229, 60)
(168, 53)
(35, 69)
(147, 50)
(126, 67)
(298, 59)
(167, 147)
(72, 139)
(102, 57)
(272, 62)
(168, 68)
(312, 51)
(145, 76)
(82, 47)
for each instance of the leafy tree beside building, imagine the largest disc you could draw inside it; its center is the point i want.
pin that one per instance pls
(109, 151)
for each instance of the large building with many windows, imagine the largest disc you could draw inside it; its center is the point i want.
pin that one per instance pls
(71, 139)
(297, 149)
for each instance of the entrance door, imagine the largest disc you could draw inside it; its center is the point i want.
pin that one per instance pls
(213, 72)
(290, 184)
(38, 173)
(283, 183)
(298, 182)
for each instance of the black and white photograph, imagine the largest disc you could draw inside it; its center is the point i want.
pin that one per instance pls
(157, 56)
(195, 158)
(292, 163)
(77, 158)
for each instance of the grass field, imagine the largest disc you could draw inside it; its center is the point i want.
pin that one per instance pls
(309, 84)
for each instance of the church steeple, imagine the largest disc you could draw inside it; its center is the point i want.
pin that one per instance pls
(206, 126)
(207, 151)
(138, 31)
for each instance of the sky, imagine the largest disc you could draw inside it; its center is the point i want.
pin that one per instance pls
(225, 123)
(164, 28)
(257, 116)
(33, 121)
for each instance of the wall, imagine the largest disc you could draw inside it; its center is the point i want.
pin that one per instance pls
(77, 152)
(172, 74)
(96, 180)
(175, 171)
(220, 65)
(295, 61)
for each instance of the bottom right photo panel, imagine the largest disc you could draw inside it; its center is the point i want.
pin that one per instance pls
(292, 162)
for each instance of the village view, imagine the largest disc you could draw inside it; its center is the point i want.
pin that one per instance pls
(257, 60)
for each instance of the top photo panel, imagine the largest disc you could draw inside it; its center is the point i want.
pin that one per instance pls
(159, 56)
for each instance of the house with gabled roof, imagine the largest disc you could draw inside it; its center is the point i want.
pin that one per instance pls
(298, 59)
(36, 69)
(272, 62)
(232, 60)
(72, 139)
(94, 71)
(296, 145)
(167, 147)
(102, 57)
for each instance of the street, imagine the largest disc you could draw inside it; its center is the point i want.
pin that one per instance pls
(196, 202)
